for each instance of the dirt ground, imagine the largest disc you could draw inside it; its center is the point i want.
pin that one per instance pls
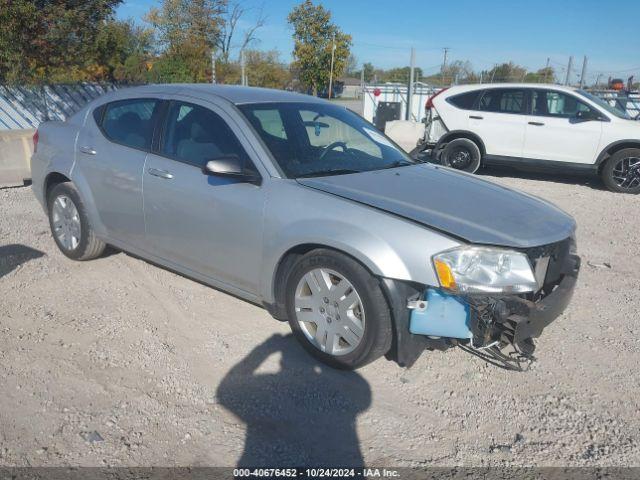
(118, 362)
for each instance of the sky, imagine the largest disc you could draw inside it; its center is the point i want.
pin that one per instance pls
(484, 32)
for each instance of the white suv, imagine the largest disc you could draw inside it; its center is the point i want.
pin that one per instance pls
(542, 127)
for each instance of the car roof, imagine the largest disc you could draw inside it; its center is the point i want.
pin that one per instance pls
(484, 86)
(235, 94)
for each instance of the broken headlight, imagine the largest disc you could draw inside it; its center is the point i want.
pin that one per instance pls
(484, 270)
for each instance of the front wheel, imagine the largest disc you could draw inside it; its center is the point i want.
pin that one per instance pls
(461, 154)
(621, 173)
(337, 310)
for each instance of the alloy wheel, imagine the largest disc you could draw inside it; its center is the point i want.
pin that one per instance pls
(626, 173)
(66, 222)
(329, 311)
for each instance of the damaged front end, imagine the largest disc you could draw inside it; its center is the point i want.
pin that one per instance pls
(497, 327)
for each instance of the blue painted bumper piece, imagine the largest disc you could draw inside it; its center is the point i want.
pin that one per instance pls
(445, 316)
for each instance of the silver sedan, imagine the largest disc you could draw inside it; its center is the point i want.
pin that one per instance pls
(303, 207)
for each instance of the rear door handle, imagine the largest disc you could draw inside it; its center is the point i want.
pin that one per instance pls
(476, 117)
(537, 124)
(88, 150)
(160, 173)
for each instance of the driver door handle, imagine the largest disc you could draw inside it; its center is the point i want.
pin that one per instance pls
(160, 173)
(476, 117)
(88, 150)
(537, 124)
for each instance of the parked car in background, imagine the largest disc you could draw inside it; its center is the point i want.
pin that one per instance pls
(303, 207)
(542, 127)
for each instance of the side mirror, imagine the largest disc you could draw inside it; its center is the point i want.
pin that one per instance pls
(230, 166)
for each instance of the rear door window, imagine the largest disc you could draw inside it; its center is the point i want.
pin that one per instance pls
(503, 100)
(130, 122)
(465, 101)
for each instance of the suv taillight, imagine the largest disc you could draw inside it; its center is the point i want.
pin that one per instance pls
(429, 104)
(36, 136)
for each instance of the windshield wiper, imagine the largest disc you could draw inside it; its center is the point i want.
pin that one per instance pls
(337, 171)
(398, 163)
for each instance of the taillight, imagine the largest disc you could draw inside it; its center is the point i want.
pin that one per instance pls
(429, 104)
(36, 136)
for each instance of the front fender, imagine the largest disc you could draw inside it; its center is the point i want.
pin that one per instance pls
(388, 245)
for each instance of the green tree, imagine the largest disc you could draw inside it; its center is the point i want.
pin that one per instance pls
(187, 31)
(49, 40)
(398, 75)
(122, 52)
(314, 36)
(369, 71)
(264, 69)
(544, 75)
(506, 72)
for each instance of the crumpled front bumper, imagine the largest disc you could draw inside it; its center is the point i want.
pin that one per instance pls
(514, 319)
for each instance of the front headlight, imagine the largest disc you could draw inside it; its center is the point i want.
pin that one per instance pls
(484, 270)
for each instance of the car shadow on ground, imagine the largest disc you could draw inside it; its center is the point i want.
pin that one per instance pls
(591, 181)
(303, 415)
(14, 255)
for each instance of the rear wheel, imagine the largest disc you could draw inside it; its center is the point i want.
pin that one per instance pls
(461, 154)
(70, 225)
(337, 310)
(621, 173)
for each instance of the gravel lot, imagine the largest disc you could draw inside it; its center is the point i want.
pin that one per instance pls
(118, 362)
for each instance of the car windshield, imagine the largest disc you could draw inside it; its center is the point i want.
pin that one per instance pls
(316, 139)
(618, 112)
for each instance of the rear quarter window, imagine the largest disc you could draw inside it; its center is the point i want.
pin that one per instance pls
(130, 122)
(465, 101)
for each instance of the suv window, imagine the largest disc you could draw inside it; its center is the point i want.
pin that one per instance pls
(503, 100)
(556, 104)
(465, 101)
(130, 122)
(195, 135)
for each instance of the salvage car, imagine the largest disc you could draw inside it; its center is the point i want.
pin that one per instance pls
(303, 207)
(536, 127)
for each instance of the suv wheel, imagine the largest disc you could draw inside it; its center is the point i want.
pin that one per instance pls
(461, 154)
(70, 226)
(621, 173)
(337, 310)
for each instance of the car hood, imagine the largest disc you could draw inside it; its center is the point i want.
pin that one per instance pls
(459, 204)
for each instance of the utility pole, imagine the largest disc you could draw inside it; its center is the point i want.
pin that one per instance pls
(243, 78)
(569, 67)
(333, 52)
(583, 75)
(410, 87)
(546, 70)
(444, 62)
(362, 81)
(213, 66)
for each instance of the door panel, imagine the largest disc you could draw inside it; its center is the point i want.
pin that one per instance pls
(554, 133)
(209, 224)
(499, 121)
(113, 170)
(502, 133)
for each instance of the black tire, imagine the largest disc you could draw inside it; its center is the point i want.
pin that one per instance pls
(461, 154)
(619, 164)
(377, 336)
(89, 246)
